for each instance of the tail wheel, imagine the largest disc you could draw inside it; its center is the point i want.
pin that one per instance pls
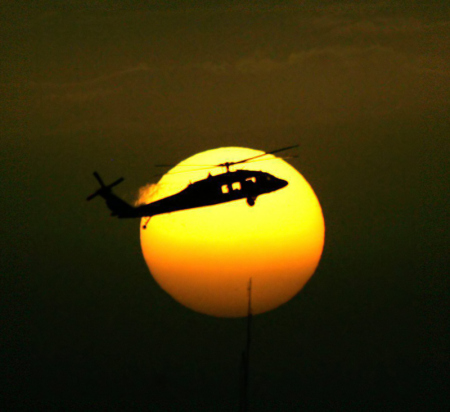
(251, 201)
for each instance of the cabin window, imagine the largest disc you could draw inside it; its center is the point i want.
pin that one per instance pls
(225, 189)
(236, 186)
(251, 179)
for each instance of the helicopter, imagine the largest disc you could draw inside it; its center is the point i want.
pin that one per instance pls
(213, 190)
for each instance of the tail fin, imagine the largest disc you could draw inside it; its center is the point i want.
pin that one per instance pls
(117, 206)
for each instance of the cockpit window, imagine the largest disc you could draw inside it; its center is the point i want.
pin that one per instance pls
(236, 186)
(251, 179)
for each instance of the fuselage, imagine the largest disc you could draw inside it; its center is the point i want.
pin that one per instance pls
(222, 188)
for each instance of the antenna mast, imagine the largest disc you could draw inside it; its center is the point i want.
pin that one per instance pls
(246, 354)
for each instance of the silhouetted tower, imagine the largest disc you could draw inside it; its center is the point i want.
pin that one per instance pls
(245, 362)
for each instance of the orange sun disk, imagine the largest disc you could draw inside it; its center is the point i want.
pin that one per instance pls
(205, 257)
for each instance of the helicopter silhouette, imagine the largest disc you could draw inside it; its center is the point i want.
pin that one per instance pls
(213, 190)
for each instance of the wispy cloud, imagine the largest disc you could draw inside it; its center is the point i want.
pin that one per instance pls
(325, 57)
(84, 90)
(142, 67)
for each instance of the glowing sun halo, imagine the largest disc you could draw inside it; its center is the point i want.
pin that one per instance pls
(204, 257)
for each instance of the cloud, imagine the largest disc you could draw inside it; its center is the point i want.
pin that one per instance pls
(344, 55)
(345, 58)
(81, 91)
(325, 57)
(379, 26)
(209, 72)
(142, 67)
(79, 96)
(258, 64)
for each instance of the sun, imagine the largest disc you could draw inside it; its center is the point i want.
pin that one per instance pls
(205, 257)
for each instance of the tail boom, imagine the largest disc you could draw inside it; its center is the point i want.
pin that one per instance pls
(118, 206)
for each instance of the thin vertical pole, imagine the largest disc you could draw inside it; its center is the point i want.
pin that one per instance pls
(246, 354)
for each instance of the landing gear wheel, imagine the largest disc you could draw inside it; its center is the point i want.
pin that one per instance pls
(146, 223)
(251, 201)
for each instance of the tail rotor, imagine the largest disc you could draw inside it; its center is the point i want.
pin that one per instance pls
(104, 189)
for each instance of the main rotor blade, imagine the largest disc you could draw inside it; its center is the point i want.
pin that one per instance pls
(226, 164)
(178, 165)
(264, 154)
(217, 166)
(186, 171)
(273, 158)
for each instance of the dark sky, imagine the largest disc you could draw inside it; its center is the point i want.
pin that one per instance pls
(364, 89)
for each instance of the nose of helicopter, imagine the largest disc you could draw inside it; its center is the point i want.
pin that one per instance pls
(281, 183)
